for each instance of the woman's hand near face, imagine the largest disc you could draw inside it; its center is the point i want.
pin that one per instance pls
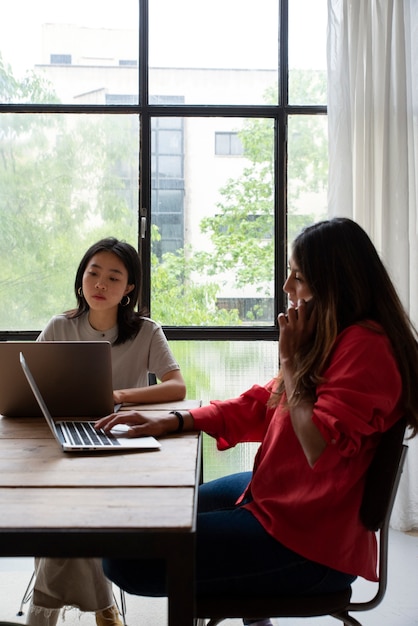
(296, 328)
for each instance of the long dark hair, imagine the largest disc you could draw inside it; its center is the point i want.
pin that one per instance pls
(351, 285)
(129, 320)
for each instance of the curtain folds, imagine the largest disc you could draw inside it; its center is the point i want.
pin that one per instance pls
(372, 55)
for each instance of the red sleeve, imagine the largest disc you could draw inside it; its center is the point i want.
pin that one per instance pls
(361, 387)
(245, 418)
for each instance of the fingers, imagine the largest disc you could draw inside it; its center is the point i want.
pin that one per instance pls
(282, 320)
(289, 318)
(300, 312)
(137, 430)
(295, 328)
(108, 422)
(138, 424)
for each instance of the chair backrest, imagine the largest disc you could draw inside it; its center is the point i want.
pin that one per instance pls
(381, 476)
(382, 483)
(152, 379)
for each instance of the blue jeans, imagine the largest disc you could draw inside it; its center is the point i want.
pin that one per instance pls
(234, 554)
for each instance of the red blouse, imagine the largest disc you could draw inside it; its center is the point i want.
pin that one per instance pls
(315, 510)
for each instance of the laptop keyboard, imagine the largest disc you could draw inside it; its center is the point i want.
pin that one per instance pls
(84, 433)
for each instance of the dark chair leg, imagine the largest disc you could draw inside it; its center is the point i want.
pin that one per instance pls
(27, 595)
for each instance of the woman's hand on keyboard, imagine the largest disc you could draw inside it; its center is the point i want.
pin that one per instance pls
(145, 423)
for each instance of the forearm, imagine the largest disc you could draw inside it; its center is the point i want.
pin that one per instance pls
(168, 423)
(167, 391)
(311, 440)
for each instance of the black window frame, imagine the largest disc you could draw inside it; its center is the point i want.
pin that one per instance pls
(148, 108)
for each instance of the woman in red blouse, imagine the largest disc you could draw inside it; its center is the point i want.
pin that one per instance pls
(348, 371)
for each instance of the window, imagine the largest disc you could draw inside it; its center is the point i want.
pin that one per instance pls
(167, 184)
(228, 144)
(131, 62)
(63, 59)
(131, 125)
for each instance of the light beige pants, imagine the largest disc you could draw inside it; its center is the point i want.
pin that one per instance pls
(79, 583)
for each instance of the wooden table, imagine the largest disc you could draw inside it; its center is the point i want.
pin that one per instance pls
(124, 504)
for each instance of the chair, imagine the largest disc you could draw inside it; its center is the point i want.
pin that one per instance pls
(380, 490)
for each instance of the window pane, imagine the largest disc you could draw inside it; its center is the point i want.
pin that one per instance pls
(169, 142)
(168, 200)
(307, 52)
(65, 181)
(228, 144)
(74, 52)
(223, 143)
(216, 215)
(307, 184)
(214, 52)
(218, 370)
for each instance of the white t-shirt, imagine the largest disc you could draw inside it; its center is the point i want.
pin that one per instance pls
(132, 360)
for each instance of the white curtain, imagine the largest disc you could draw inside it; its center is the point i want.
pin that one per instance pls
(372, 54)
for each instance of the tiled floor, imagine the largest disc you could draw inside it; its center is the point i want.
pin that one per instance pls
(399, 607)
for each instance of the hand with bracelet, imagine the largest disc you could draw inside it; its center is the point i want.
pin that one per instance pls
(148, 423)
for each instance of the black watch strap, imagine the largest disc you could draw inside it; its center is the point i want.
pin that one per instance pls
(181, 422)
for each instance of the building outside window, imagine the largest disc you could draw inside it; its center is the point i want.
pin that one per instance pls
(198, 140)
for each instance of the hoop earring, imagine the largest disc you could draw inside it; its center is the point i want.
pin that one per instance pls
(125, 303)
(80, 292)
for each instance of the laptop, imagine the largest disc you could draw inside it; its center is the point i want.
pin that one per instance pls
(75, 378)
(81, 436)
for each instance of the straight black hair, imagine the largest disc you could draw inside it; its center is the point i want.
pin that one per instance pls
(129, 320)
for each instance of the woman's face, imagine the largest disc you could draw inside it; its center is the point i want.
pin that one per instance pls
(296, 286)
(105, 281)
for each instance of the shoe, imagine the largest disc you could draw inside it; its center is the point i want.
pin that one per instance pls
(108, 617)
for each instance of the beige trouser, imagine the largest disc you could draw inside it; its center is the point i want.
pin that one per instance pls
(79, 583)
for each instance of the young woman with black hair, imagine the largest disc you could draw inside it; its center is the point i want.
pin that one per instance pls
(107, 289)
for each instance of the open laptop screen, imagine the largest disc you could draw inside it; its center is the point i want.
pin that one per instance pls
(74, 377)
